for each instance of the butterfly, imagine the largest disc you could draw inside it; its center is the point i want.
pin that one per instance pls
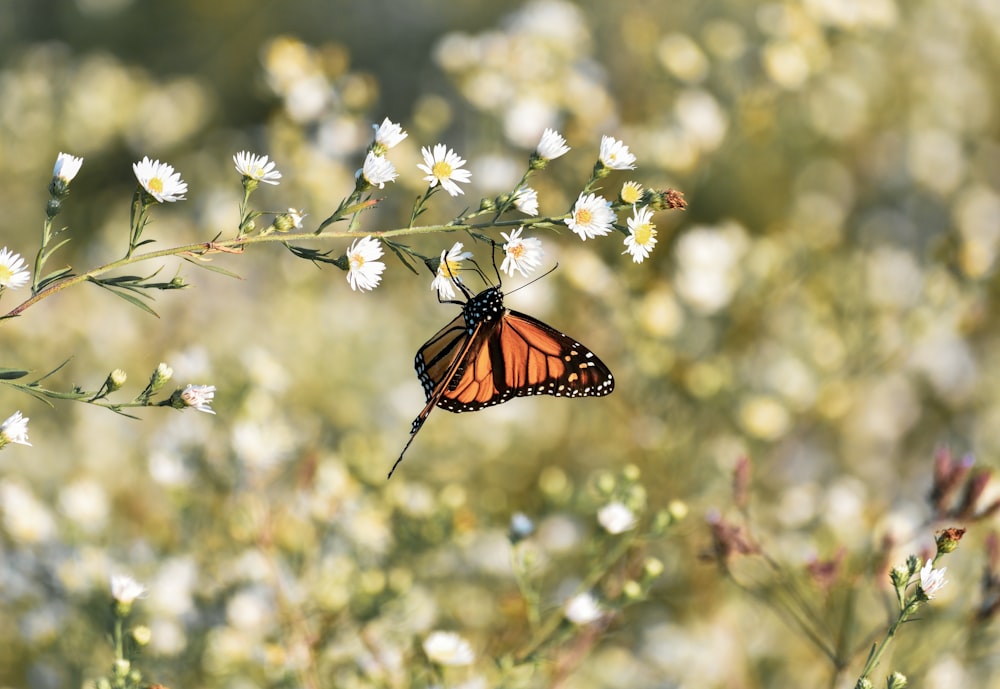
(490, 354)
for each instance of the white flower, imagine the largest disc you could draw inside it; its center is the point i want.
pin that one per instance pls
(616, 518)
(159, 180)
(378, 170)
(297, 215)
(448, 648)
(12, 270)
(256, 167)
(552, 145)
(199, 397)
(615, 155)
(365, 270)
(66, 167)
(526, 200)
(642, 234)
(592, 216)
(14, 430)
(125, 589)
(388, 134)
(582, 609)
(932, 580)
(522, 254)
(442, 166)
(447, 272)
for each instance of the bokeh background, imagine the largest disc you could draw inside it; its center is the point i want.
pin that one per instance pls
(826, 306)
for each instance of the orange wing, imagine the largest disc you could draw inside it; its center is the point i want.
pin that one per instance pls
(522, 356)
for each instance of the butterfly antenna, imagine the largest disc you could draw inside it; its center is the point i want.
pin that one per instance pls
(533, 281)
(400, 459)
(493, 255)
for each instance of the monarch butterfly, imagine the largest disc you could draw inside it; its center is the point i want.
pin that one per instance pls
(490, 354)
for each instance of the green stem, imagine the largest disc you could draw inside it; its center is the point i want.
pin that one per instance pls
(236, 245)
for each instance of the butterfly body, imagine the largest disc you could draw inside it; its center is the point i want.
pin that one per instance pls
(490, 354)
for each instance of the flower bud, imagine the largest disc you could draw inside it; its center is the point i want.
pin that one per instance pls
(160, 376)
(896, 680)
(116, 379)
(948, 539)
(142, 635)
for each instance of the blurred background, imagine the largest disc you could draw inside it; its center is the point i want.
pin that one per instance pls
(825, 306)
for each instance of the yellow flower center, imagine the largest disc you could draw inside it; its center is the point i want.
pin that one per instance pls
(631, 192)
(155, 185)
(450, 269)
(584, 216)
(644, 233)
(441, 170)
(357, 260)
(5, 275)
(516, 251)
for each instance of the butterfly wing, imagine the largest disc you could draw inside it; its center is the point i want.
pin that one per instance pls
(519, 356)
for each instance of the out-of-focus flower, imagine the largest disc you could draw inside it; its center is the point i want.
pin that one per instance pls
(521, 527)
(378, 170)
(388, 134)
(642, 235)
(443, 166)
(592, 216)
(199, 397)
(522, 254)
(526, 200)
(159, 180)
(66, 167)
(256, 167)
(552, 145)
(932, 580)
(615, 154)
(365, 270)
(125, 589)
(616, 518)
(12, 270)
(447, 272)
(631, 193)
(14, 430)
(582, 609)
(448, 648)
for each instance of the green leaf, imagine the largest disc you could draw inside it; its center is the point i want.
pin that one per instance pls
(12, 373)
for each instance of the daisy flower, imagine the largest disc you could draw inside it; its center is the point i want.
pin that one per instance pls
(365, 270)
(378, 170)
(388, 134)
(932, 580)
(296, 215)
(125, 589)
(642, 234)
(442, 166)
(199, 397)
(615, 155)
(551, 146)
(526, 200)
(582, 609)
(522, 254)
(592, 216)
(12, 270)
(256, 167)
(447, 272)
(448, 648)
(66, 167)
(14, 430)
(159, 180)
(616, 518)
(631, 193)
